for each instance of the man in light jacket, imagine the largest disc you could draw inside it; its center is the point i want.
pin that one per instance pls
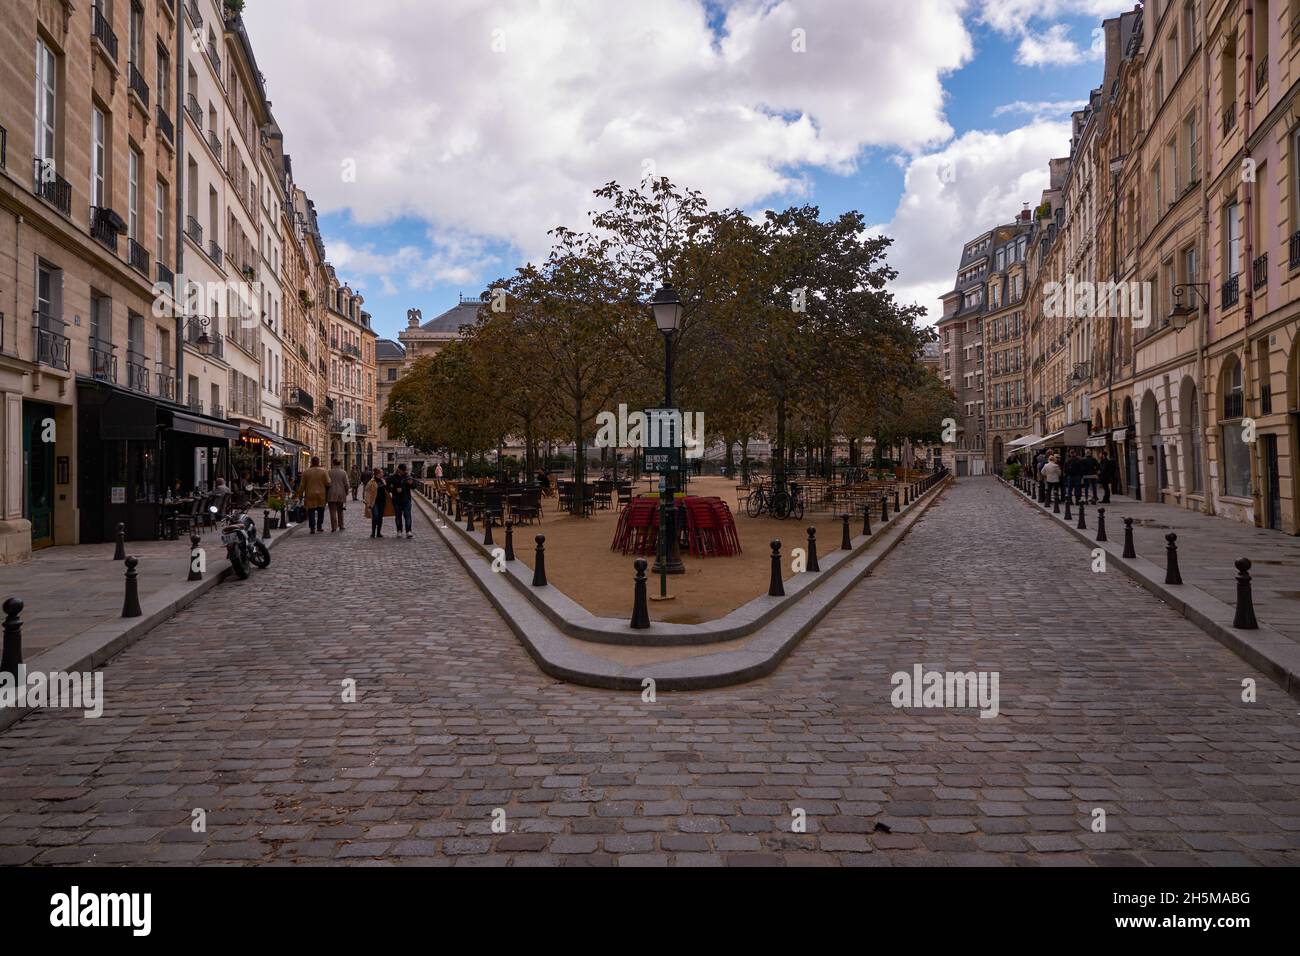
(314, 486)
(338, 494)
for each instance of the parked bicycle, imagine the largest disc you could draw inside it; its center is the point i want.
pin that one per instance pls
(780, 502)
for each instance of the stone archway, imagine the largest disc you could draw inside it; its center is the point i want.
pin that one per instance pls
(1150, 446)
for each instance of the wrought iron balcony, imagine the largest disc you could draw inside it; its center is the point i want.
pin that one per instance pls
(214, 142)
(103, 363)
(1229, 118)
(216, 57)
(1261, 75)
(1294, 247)
(103, 226)
(195, 404)
(102, 32)
(137, 373)
(138, 256)
(164, 275)
(194, 230)
(192, 8)
(1259, 271)
(1230, 292)
(51, 348)
(1234, 405)
(299, 399)
(1266, 400)
(136, 84)
(4, 148)
(194, 109)
(165, 124)
(52, 187)
(165, 383)
(218, 411)
(214, 251)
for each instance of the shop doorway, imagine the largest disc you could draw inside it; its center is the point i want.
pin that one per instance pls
(1272, 485)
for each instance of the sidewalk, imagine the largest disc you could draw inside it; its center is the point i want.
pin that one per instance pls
(1207, 548)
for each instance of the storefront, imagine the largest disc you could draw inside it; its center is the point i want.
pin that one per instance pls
(133, 450)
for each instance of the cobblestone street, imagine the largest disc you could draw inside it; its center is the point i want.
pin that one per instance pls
(1108, 700)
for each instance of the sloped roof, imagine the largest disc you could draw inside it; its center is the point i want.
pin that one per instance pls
(388, 349)
(462, 314)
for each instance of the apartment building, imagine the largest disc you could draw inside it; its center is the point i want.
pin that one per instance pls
(1006, 398)
(390, 361)
(961, 343)
(154, 236)
(352, 380)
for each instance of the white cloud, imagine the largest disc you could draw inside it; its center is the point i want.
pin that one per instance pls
(977, 181)
(1052, 44)
(508, 144)
(1040, 109)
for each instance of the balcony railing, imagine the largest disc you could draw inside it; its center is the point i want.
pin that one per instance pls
(52, 187)
(1229, 118)
(214, 141)
(165, 383)
(218, 411)
(195, 404)
(299, 399)
(1259, 271)
(214, 251)
(192, 8)
(192, 107)
(1266, 400)
(103, 363)
(1294, 247)
(165, 124)
(51, 348)
(1230, 292)
(351, 351)
(102, 32)
(216, 57)
(137, 374)
(102, 227)
(1261, 75)
(136, 84)
(1234, 405)
(194, 230)
(4, 148)
(164, 275)
(138, 256)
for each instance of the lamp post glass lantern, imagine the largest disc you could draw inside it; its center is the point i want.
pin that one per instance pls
(667, 310)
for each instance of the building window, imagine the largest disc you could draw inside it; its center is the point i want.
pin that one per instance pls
(134, 162)
(46, 103)
(1232, 239)
(98, 153)
(160, 220)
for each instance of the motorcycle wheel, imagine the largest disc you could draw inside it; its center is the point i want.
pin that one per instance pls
(260, 555)
(238, 562)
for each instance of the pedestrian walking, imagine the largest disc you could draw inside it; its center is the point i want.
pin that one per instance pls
(356, 480)
(1107, 472)
(314, 487)
(1052, 478)
(376, 501)
(400, 486)
(338, 494)
(1090, 477)
(1074, 476)
(437, 471)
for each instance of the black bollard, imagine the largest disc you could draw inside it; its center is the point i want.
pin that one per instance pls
(1243, 619)
(539, 563)
(1171, 560)
(469, 525)
(812, 549)
(640, 606)
(119, 553)
(906, 500)
(12, 654)
(195, 574)
(266, 524)
(284, 520)
(1129, 550)
(844, 538)
(1068, 514)
(775, 586)
(884, 508)
(895, 501)
(131, 603)
(457, 508)
(1056, 503)
(487, 531)
(1101, 524)
(1082, 523)
(866, 520)
(510, 540)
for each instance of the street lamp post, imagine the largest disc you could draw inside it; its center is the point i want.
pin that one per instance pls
(667, 309)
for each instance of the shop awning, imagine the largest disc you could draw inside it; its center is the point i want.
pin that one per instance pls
(1025, 441)
(191, 424)
(278, 445)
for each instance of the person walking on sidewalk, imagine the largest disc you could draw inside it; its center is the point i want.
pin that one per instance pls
(314, 486)
(399, 487)
(376, 501)
(356, 480)
(338, 494)
(1052, 478)
(1074, 476)
(1107, 472)
(1089, 478)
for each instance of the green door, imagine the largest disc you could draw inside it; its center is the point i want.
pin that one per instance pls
(38, 466)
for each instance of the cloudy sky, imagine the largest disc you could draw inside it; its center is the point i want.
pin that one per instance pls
(474, 126)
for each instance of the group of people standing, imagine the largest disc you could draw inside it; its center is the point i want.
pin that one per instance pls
(1078, 477)
(384, 496)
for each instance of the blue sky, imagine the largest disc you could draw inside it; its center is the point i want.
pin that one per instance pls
(459, 191)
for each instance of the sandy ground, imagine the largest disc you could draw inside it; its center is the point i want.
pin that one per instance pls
(580, 563)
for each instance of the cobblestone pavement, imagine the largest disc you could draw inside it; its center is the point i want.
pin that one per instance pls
(1108, 700)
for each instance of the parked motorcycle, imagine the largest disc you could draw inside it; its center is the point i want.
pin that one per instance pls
(243, 547)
